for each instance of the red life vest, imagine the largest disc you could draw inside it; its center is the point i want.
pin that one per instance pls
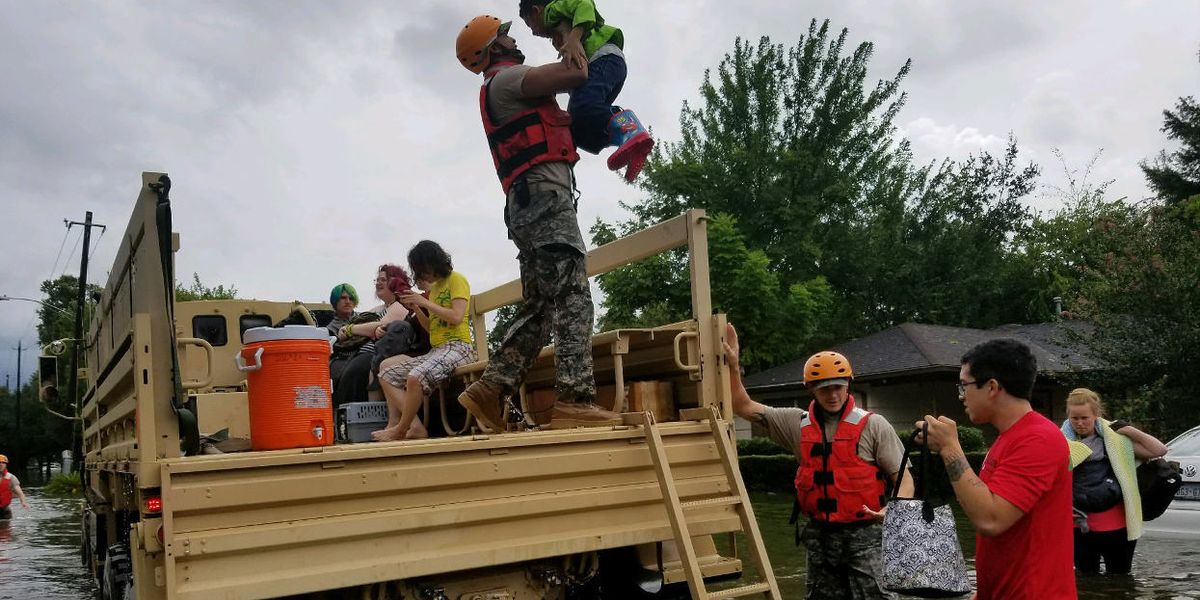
(5, 490)
(833, 483)
(534, 136)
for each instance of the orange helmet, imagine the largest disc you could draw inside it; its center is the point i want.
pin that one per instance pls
(827, 365)
(474, 40)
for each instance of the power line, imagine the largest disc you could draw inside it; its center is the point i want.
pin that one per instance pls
(93, 254)
(67, 263)
(61, 245)
(66, 233)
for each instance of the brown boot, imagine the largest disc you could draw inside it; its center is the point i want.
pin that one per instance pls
(482, 399)
(581, 414)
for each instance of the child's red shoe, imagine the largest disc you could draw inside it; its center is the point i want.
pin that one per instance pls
(633, 144)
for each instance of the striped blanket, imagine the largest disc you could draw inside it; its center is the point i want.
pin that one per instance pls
(1120, 453)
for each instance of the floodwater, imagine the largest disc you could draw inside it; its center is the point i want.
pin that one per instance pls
(39, 557)
(1163, 569)
(39, 551)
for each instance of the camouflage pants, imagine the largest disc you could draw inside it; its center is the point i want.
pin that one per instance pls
(844, 563)
(542, 223)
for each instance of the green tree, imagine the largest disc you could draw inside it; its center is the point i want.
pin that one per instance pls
(1142, 293)
(198, 291)
(42, 435)
(658, 291)
(56, 315)
(504, 318)
(785, 140)
(1175, 177)
(941, 249)
(1064, 250)
(1142, 300)
(799, 151)
(56, 321)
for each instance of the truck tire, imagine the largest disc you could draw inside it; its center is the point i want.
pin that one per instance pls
(85, 545)
(116, 582)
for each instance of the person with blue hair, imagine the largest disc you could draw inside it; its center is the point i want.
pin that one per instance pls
(344, 299)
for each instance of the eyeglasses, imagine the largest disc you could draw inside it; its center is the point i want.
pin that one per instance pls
(962, 385)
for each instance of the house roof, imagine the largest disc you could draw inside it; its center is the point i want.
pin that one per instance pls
(913, 348)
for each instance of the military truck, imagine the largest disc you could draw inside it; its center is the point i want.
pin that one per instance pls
(636, 510)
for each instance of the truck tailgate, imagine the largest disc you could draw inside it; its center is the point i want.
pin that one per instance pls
(268, 524)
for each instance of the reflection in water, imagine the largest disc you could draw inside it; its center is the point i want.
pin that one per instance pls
(39, 557)
(39, 552)
(1163, 569)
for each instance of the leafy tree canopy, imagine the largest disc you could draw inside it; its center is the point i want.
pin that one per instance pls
(823, 228)
(198, 291)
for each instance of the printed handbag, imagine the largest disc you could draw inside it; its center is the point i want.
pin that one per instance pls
(921, 553)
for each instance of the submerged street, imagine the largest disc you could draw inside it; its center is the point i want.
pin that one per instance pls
(39, 551)
(39, 557)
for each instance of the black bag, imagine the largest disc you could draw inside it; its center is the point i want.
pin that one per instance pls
(1094, 486)
(1158, 482)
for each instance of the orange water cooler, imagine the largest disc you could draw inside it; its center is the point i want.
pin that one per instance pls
(287, 379)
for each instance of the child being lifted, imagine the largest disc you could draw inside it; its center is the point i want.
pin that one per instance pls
(585, 41)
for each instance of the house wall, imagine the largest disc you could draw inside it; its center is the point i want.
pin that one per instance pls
(904, 403)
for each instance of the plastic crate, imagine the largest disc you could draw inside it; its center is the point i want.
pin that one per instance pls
(356, 420)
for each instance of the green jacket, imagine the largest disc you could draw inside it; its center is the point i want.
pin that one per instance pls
(582, 13)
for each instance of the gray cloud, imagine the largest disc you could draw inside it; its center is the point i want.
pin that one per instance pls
(310, 141)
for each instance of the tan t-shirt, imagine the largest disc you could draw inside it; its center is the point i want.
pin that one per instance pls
(878, 445)
(506, 100)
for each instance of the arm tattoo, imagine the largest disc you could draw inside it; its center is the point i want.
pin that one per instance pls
(956, 466)
(759, 417)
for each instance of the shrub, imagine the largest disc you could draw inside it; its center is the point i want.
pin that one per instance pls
(776, 473)
(64, 485)
(760, 446)
(773, 473)
(970, 438)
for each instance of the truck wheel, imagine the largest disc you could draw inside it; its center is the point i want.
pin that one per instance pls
(85, 549)
(117, 580)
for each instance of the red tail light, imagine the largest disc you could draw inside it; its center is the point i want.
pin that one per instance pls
(153, 505)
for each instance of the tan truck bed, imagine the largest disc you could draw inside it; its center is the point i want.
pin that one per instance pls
(263, 524)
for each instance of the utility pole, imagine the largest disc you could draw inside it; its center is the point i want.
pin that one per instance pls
(19, 352)
(76, 443)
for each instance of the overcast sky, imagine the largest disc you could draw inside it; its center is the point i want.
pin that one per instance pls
(309, 142)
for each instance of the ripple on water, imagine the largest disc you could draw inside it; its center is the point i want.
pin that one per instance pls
(39, 551)
(39, 557)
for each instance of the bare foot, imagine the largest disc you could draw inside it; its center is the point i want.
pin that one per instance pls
(417, 432)
(389, 434)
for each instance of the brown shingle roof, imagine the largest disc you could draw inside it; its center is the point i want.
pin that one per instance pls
(913, 348)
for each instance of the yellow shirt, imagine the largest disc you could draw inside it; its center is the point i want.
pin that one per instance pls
(443, 293)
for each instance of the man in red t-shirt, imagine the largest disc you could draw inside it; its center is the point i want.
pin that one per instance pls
(1020, 503)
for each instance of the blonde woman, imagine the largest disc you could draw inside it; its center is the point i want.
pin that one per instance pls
(1107, 506)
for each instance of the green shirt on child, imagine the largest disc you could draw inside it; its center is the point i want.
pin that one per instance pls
(582, 13)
